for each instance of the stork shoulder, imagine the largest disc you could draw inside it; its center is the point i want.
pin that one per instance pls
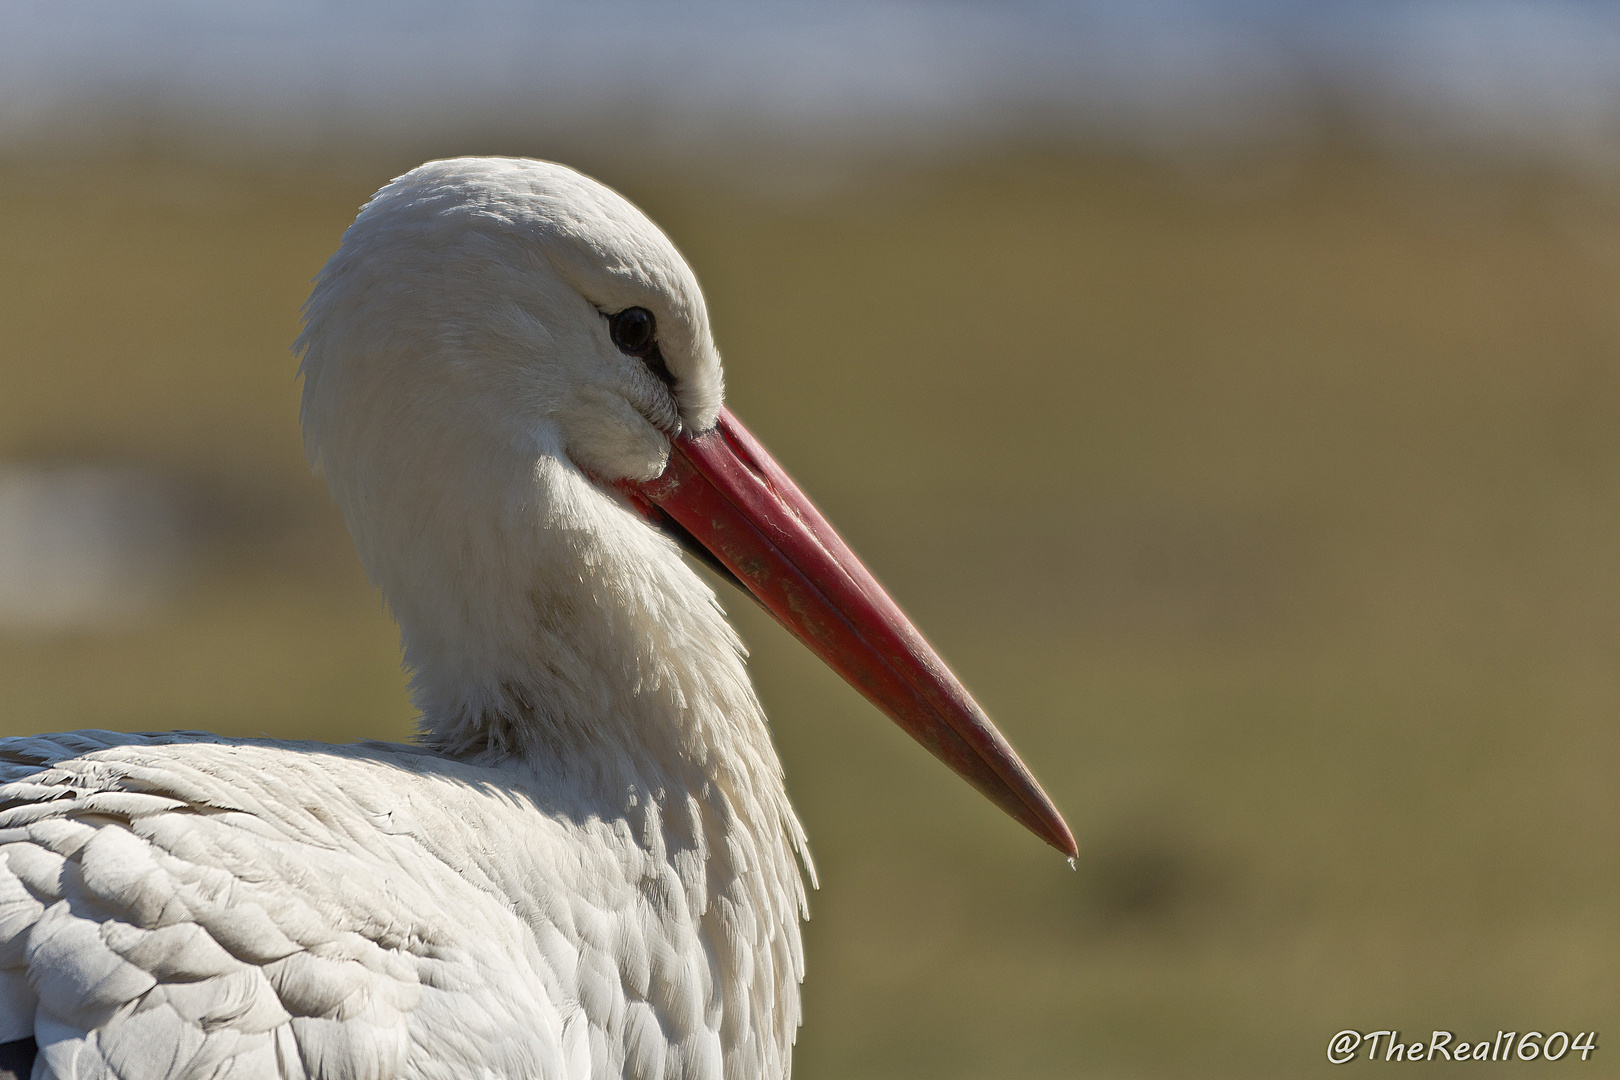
(268, 910)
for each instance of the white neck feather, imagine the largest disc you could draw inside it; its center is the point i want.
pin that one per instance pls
(551, 633)
(542, 619)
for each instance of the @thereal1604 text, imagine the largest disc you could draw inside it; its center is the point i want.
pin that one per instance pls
(1387, 1045)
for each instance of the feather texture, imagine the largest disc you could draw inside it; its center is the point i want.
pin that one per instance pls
(188, 906)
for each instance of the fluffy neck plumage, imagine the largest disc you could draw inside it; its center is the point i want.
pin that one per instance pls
(561, 625)
(545, 622)
(554, 635)
(541, 618)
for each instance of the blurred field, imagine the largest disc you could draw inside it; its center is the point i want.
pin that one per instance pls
(1278, 524)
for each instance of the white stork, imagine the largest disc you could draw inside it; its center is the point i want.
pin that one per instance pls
(588, 866)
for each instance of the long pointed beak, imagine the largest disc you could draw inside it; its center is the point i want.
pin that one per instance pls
(726, 491)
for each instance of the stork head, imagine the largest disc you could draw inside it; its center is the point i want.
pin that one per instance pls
(522, 302)
(488, 317)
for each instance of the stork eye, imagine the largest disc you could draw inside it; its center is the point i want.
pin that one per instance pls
(633, 330)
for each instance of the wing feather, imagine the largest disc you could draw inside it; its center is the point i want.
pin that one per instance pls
(242, 910)
(157, 920)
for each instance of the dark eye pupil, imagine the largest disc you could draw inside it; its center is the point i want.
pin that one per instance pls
(632, 330)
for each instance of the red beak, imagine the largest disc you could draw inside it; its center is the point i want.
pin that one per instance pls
(724, 489)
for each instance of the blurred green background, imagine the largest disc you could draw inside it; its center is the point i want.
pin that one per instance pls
(1276, 523)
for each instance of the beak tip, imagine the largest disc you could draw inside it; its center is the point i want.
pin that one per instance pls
(1049, 825)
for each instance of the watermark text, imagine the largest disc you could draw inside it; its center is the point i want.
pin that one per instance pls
(1389, 1045)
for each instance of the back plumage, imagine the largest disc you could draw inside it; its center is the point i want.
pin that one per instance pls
(188, 906)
